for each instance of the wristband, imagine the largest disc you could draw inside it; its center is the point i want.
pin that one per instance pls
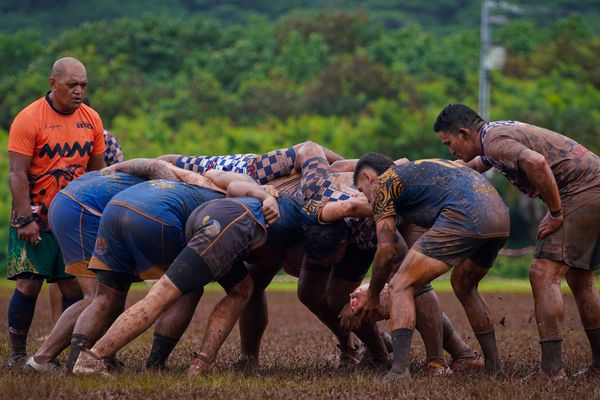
(24, 221)
(556, 214)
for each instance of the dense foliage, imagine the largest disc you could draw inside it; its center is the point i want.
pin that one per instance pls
(178, 83)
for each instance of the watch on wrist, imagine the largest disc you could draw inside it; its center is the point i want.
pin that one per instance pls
(557, 213)
(23, 221)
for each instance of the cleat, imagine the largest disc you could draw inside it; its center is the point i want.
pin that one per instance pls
(590, 371)
(543, 376)
(472, 364)
(245, 363)
(90, 364)
(391, 376)
(350, 357)
(51, 366)
(16, 361)
(115, 365)
(437, 368)
(199, 366)
(371, 363)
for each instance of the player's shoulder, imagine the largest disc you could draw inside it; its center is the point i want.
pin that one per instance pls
(85, 109)
(32, 111)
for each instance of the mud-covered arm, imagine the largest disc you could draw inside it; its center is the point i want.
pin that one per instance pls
(146, 168)
(224, 178)
(19, 188)
(477, 164)
(270, 206)
(337, 210)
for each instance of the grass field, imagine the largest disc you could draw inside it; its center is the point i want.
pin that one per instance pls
(298, 358)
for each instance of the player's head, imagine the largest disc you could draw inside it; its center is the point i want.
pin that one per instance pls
(69, 82)
(457, 126)
(325, 244)
(368, 169)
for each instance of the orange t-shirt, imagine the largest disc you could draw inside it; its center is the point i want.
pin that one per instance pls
(60, 146)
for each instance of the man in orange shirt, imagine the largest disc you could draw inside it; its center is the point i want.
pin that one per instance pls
(51, 142)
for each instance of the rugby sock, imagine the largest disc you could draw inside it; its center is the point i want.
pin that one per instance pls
(161, 349)
(487, 341)
(551, 356)
(453, 343)
(75, 349)
(401, 339)
(594, 338)
(20, 314)
(69, 301)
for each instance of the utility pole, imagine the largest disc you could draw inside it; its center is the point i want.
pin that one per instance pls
(484, 74)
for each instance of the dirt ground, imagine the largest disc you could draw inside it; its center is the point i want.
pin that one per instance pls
(299, 356)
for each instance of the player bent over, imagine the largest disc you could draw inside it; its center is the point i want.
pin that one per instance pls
(566, 176)
(468, 226)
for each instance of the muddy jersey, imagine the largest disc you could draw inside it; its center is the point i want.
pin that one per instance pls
(263, 168)
(93, 190)
(60, 146)
(574, 167)
(289, 185)
(319, 186)
(168, 202)
(441, 194)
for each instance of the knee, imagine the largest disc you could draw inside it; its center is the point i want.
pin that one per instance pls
(542, 274)
(29, 287)
(580, 281)
(461, 287)
(399, 285)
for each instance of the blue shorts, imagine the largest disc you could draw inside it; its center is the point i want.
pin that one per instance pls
(136, 244)
(75, 227)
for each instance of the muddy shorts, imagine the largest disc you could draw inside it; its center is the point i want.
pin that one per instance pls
(43, 259)
(221, 232)
(453, 248)
(136, 244)
(577, 242)
(75, 228)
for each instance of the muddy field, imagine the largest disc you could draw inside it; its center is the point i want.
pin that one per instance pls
(298, 361)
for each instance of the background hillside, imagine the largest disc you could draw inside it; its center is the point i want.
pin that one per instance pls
(219, 77)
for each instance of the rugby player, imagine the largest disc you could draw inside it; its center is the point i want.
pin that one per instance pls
(566, 176)
(468, 224)
(75, 216)
(141, 231)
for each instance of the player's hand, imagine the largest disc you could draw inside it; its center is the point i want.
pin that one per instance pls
(368, 311)
(549, 225)
(271, 190)
(30, 233)
(270, 210)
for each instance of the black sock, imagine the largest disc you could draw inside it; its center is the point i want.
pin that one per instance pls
(69, 301)
(487, 341)
(20, 314)
(401, 339)
(551, 356)
(594, 338)
(77, 341)
(161, 349)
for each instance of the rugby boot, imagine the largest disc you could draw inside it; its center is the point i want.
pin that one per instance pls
(114, 364)
(467, 364)
(89, 364)
(16, 361)
(397, 377)
(590, 371)
(543, 376)
(199, 366)
(350, 357)
(372, 363)
(437, 367)
(51, 366)
(245, 363)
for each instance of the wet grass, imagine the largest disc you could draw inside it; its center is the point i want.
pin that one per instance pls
(298, 361)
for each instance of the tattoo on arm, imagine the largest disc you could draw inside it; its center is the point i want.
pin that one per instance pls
(148, 168)
(386, 255)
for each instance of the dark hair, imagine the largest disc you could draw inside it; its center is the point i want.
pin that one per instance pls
(455, 116)
(321, 241)
(379, 162)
